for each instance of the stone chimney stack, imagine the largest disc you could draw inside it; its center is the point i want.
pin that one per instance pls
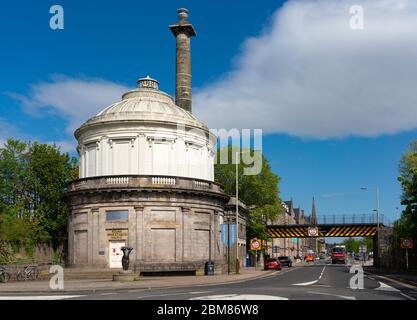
(183, 31)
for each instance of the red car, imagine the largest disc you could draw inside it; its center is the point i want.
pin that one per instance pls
(272, 263)
(309, 258)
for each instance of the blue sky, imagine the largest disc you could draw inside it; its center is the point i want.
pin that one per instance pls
(328, 131)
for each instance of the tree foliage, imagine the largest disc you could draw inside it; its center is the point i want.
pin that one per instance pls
(33, 177)
(353, 244)
(407, 225)
(259, 192)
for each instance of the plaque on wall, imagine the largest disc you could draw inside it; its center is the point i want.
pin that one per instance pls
(117, 234)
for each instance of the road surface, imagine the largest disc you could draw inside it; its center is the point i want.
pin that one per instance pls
(318, 281)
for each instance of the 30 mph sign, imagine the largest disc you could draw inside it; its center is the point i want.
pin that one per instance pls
(406, 243)
(255, 244)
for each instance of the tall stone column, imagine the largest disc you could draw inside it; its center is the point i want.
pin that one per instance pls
(183, 31)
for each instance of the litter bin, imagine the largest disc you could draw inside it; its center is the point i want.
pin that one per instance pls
(209, 268)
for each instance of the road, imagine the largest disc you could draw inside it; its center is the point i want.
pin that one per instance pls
(318, 281)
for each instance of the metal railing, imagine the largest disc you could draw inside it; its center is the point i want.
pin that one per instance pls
(144, 181)
(350, 219)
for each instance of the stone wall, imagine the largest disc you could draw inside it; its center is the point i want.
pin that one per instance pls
(174, 228)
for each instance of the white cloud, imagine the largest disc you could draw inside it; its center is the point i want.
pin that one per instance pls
(310, 75)
(76, 100)
(65, 145)
(7, 131)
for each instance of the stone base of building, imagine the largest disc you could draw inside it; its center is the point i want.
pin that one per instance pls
(177, 268)
(126, 276)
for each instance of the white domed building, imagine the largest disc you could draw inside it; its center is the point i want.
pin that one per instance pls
(147, 181)
(146, 134)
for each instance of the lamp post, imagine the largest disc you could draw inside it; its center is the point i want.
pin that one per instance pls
(377, 217)
(377, 204)
(237, 207)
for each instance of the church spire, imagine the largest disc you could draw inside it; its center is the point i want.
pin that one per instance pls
(313, 212)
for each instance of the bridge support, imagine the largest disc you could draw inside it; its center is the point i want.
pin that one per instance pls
(383, 248)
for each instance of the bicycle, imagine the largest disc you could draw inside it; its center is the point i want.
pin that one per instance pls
(4, 276)
(28, 273)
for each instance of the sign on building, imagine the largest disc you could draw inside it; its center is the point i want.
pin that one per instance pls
(313, 231)
(117, 234)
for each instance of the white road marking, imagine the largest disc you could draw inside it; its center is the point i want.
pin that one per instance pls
(333, 295)
(322, 272)
(385, 287)
(198, 292)
(311, 282)
(38, 297)
(306, 283)
(240, 297)
(322, 286)
(407, 296)
(108, 293)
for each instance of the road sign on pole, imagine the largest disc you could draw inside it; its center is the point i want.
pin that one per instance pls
(255, 244)
(406, 243)
(228, 232)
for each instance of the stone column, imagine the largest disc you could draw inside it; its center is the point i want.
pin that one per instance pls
(95, 236)
(140, 237)
(182, 31)
(132, 233)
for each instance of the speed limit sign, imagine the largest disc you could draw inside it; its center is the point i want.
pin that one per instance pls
(313, 231)
(406, 243)
(255, 244)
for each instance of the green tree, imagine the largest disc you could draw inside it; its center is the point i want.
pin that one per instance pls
(353, 244)
(33, 177)
(49, 171)
(407, 225)
(259, 192)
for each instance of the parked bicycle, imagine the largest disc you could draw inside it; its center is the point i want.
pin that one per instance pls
(28, 273)
(4, 276)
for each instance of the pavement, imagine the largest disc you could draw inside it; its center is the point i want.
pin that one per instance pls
(86, 284)
(320, 280)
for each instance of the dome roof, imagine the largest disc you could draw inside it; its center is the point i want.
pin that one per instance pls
(144, 104)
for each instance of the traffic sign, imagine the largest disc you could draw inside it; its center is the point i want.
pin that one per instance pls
(407, 243)
(228, 232)
(255, 244)
(313, 231)
(362, 248)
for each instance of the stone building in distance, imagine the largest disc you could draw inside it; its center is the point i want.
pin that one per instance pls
(147, 181)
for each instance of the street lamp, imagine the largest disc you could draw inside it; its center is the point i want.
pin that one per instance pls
(377, 215)
(377, 204)
(237, 207)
